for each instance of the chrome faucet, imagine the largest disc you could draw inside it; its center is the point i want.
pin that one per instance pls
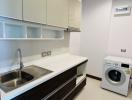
(20, 58)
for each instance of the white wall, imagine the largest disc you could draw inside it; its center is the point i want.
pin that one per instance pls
(94, 36)
(30, 48)
(120, 32)
(103, 34)
(75, 43)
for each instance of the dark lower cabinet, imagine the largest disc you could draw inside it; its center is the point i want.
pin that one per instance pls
(44, 89)
(61, 87)
(63, 91)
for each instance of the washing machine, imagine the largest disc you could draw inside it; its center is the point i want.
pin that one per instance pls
(116, 74)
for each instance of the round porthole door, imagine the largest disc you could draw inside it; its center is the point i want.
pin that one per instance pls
(115, 76)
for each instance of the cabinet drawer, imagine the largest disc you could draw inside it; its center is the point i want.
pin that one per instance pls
(39, 92)
(75, 91)
(63, 91)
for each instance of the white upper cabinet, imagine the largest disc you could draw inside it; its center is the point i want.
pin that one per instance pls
(34, 11)
(11, 9)
(57, 13)
(74, 13)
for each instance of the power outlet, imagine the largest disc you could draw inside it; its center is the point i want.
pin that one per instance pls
(46, 53)
(123, 50)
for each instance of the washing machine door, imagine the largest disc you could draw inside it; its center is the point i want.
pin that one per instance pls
(115, 76)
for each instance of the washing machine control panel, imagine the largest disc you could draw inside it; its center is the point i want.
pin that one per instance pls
(125, 65)
(111, 64)
(114, 64)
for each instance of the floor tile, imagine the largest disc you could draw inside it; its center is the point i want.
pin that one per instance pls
(92, 91)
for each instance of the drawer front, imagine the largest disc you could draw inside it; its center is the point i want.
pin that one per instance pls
(63, 91)
(75, 91)
(39, 92)
(67, 75)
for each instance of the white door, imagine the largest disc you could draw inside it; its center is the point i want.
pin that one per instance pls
(11, 8)
(57, 13)
(34, 11)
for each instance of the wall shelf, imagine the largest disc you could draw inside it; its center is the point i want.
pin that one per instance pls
(79, 79)
(14, 31)
(1, 30)
(33, 31)
(11, 29)
(50, 32)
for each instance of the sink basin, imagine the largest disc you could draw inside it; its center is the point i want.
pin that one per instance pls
(36, 71)
(16, 78)
(13, 79)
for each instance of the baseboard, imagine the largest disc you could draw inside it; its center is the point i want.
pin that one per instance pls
(94, 77)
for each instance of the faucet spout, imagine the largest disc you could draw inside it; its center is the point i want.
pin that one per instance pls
(20, 58)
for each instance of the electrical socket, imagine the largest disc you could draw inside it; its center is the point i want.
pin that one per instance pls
(46, 53)
(123, 50)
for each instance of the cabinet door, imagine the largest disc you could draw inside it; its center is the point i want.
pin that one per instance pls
(74, 13)
(34, 11)
(11, 8)
(57, 13)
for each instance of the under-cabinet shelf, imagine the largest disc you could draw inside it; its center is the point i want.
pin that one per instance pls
(14, 31)
(1, 30)
(33, 31)
(11, 29)
(49, 32)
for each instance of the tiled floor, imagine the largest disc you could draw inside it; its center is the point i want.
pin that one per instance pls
(92, 91)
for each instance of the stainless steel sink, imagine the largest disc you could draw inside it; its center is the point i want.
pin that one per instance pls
(12, 79)
(17, 78)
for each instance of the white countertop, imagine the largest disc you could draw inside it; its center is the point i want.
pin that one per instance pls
(58, 64)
